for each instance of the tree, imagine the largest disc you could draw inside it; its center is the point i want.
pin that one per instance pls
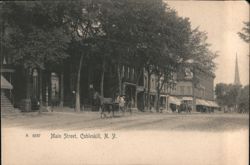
(243, 100)
(221, 90)
(228, 95)
(151, 34)
(34, 35)
(83, 18)
(233, 96)
(200, 52)
(123, 24)
(115, 21)
(173, 42)
(245, 33)
(145, 34)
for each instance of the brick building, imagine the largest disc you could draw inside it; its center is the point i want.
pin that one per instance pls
(195, 86)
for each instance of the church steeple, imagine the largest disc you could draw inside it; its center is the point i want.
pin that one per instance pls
(237, 75)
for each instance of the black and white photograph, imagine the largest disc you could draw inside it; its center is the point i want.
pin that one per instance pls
(124, 82)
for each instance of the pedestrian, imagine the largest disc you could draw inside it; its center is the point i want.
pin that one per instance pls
(98, 101)
(121, 103)
(117, 100)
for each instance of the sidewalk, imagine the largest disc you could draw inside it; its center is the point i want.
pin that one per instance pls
(5, 113)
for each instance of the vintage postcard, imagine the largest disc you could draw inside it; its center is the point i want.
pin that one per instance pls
(110, 82)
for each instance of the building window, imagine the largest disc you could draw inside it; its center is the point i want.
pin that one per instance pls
(152, 83)
(189, 91)
(182, 90)
(133, 74)
(165, 88)
(203, 92)
(161, 82)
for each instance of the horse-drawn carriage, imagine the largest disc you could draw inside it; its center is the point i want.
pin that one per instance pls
(108, 105)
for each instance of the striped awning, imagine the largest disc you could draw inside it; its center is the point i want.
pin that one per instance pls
(206, 103)
(174, 100)
(213, 104)
(202, 102)
(5, 83)
(187, 98)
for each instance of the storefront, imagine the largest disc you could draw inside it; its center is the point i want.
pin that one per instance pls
(173, 103)
(129, 91)
(206, 105)
(188, 101)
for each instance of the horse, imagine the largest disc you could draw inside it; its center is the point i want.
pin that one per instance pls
(105, 105)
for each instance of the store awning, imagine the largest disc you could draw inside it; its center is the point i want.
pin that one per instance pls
(5, 83)
(206, 103)
(202, 102)
(187, 98)
(213, 104)
(174, 100)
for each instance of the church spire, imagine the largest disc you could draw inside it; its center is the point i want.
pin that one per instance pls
(237, 75)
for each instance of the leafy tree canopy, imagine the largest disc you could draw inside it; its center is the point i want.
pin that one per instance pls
(245, 33)
(34, 33)
(144, 33)
(227, 94)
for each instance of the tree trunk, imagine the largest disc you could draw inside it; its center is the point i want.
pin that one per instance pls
(136, 93)
(28, 85)
(102, 78)
(158, 90)
(61, 90)
(119, 79)
(41, 91)
(157, 100)
(77, 93)
(47, 95)
(90, 82)
(49, 89)
(137, 84)
(149, 86)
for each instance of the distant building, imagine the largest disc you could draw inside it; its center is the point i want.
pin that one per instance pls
(236, 73)
(193, 86)
(167, 90)
(196, 87)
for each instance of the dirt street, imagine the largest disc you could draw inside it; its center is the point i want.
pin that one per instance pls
(67, 138)
(136, 121)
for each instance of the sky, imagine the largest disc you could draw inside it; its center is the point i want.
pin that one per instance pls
(222, 20)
